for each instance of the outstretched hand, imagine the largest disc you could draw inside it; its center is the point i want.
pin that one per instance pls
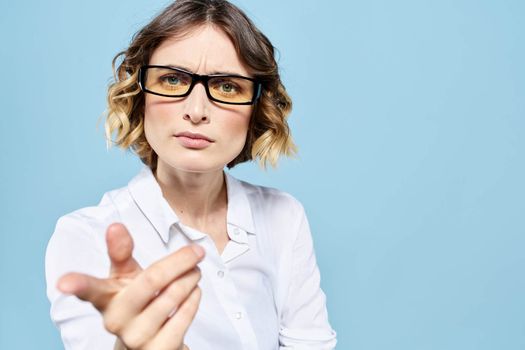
(145, 309)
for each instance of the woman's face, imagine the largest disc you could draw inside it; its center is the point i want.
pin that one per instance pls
(205, 50)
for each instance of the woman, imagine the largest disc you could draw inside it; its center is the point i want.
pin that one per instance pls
(196, 258)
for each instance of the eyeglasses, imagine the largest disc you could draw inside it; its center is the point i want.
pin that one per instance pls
(223, 88)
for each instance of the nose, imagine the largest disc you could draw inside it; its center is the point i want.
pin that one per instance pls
(196, 105)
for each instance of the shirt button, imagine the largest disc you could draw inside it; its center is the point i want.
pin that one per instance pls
(238, 315)
(220, 273)
(236, 231)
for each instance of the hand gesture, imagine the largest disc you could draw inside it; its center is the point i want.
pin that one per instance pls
(145, 309)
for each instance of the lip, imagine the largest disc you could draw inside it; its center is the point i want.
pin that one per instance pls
(192, 135)
(193, 140)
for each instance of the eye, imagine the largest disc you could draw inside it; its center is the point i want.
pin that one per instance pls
(171, 79)
(227, 87)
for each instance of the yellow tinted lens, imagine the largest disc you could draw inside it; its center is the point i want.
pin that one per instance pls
(231, 89)
(167, 81)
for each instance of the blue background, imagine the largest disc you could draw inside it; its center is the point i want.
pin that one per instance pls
(410, 120)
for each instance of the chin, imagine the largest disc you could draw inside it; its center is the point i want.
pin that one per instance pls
(202, 161)
(197, 165)
(199, 170)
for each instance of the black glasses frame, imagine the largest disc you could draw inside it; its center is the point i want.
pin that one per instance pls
(195, 78)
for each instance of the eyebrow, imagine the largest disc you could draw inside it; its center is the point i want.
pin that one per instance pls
(212, 73)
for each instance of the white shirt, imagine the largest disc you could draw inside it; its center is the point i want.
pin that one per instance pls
(262, 293)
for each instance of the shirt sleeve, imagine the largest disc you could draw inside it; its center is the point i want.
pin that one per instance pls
(304, 319)
(74, 248)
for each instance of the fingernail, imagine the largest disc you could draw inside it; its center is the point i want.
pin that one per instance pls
(198, 250)
(65, 287)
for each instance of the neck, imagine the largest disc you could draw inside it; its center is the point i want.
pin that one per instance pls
(193, 196)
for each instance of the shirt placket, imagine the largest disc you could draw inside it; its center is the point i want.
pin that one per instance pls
(225, 287)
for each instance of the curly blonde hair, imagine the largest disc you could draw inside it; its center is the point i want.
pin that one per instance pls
(268, 135)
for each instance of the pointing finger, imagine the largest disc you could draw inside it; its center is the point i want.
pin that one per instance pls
(120, 249)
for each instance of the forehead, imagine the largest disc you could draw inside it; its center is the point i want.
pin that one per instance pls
(205, 49)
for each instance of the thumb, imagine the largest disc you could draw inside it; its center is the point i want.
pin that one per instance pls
(88, 288)
(120, 249)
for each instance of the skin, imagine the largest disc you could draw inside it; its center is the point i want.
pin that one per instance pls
(135, 303)
(192, 180)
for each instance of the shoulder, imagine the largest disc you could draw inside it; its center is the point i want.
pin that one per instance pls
(269, 202)
(83, 230)
(93, 216)
(78, 240)
(270, 197)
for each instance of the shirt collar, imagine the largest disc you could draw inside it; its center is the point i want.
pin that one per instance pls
(147, 194)
(239, 209)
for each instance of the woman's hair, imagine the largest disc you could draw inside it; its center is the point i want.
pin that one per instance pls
(268, 135)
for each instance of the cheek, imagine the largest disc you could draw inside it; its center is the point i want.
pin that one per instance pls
(149, 129)
(158, 111)
(242, 125)
(156, 117)
(245, 116)
(238, 127)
